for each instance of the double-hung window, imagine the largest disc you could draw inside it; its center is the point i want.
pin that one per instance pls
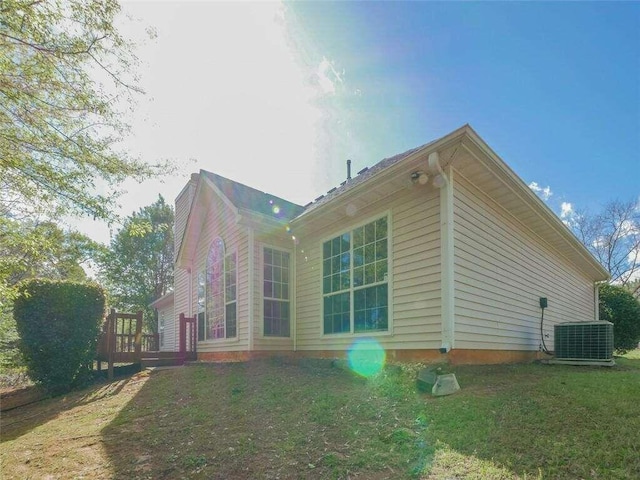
(355, 289)
(220, 312)
(276, 303)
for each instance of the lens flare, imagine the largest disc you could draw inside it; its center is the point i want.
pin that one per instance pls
(276, 209)
(366, 357)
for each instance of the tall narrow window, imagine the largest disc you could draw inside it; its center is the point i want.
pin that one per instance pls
(215, 290)
(354, 273)
(370, 271)
(276, 306)
(161, 325)
(230, 293)
(220, 294)
(201, 304)
(336, 283)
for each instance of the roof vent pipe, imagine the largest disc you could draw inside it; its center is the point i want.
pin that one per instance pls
(348, 169)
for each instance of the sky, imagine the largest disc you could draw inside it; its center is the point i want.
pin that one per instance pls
(279, 95)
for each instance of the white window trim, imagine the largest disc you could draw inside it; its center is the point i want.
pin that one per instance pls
(263, 298)
(203, 271)
(350, 229)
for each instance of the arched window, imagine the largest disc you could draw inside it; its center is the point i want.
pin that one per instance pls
(220, 297)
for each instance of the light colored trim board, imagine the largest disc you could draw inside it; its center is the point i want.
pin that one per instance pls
(292, 293)
(251, 260)
(220, 194)
(596, 302)
(390, 250)
(447, 292)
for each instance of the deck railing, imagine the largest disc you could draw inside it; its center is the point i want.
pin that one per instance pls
(122, 340)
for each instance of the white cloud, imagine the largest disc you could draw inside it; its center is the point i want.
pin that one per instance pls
(628, 227)
(566, 210)
(544, 193)
(327, 77)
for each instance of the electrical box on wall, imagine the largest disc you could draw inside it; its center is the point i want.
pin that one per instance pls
(543, 302)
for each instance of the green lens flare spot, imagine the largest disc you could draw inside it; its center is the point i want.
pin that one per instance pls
(366, 357)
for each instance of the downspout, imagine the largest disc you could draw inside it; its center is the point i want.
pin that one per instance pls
(596, 301)
(251, 285)
(447, 286)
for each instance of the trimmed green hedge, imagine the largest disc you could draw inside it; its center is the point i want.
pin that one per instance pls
(622, 309)
(59, 323)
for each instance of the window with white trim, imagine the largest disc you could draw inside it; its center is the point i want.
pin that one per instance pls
(220, 293)
(275, 291)
(355, 280)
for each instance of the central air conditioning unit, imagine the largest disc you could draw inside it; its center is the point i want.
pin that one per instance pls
(584, 343)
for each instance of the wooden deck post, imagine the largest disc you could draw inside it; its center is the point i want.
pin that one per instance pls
(111, 341)
(138, 337)
(183, 339)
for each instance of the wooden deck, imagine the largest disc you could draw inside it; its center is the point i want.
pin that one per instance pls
(122, 341)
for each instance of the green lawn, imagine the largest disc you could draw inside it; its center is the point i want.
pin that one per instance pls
(284, 419)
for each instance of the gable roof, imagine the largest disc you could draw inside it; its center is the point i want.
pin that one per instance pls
(244, 197)
(242, 200)
(245, 200)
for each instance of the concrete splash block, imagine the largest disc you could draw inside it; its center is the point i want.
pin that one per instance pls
(433, 380)
(445, 385)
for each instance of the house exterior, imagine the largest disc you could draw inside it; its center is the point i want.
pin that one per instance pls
(164, 308)
(439, 253)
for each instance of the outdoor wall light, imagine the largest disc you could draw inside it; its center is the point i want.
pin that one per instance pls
(419, 177)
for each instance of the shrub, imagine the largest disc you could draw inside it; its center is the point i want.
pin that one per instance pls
(59, 323)
(619, 307)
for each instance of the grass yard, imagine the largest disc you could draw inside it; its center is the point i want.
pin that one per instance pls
(278, 418)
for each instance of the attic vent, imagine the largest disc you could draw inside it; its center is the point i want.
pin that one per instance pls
(584, 342)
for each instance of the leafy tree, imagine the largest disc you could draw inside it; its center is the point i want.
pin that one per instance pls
(31, 249)
(138, 266)
(634, 288)
(613, 236)
(619, 307)
(65, 73)
(35, 249)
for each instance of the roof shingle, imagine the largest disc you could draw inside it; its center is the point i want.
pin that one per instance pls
(248, 198)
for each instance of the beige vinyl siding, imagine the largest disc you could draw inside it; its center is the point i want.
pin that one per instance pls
(414, 223)
(180, 275)
(501, 270)
(182, 208)
(220, 221)
(260, 342)
(180, 305)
